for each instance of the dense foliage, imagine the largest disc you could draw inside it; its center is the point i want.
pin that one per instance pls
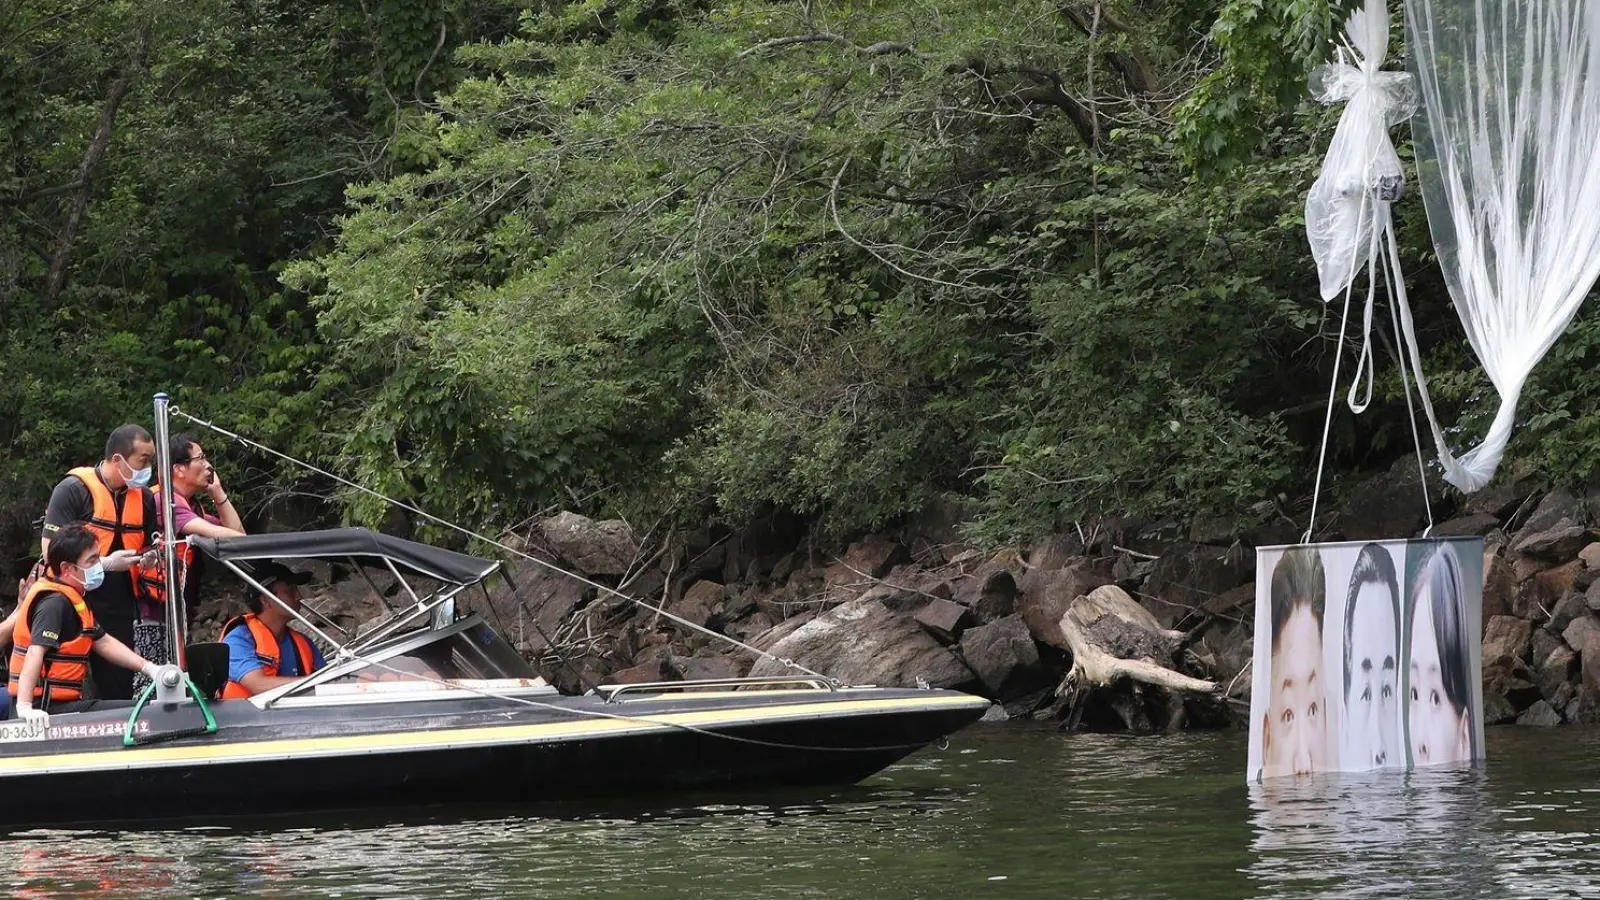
(695, 259)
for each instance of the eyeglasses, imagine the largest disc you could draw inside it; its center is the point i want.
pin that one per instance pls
(192, 459)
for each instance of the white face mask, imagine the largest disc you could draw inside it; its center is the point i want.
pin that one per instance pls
(94, 576)
(137, 477)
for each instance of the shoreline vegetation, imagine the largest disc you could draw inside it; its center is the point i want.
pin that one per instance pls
(819, 279)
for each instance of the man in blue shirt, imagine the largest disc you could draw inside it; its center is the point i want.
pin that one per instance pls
(263, 651)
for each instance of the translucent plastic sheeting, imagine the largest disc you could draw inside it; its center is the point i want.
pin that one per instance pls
(1361, 173)
(1508, 156)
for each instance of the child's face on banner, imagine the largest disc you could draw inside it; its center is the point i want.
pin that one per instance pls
(1438, 730)
(1295, 732)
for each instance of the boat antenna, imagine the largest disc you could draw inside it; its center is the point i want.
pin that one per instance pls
(174, 612)
(787, 663)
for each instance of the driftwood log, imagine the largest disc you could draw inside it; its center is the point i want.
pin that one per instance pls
(1114, 640)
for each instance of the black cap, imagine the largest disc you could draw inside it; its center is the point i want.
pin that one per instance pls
(269, 571)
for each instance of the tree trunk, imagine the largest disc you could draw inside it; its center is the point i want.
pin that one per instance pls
(61, 260)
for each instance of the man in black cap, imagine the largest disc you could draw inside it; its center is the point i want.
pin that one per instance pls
(263, 651)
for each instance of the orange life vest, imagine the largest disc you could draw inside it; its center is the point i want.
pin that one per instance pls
(266, 651)
(106, 523)
(66, 667)
(153, 581)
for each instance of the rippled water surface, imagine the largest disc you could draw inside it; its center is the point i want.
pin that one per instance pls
(1006, 811)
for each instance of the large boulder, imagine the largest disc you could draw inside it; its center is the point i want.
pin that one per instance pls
(1047, 595)
(1553, 507)
(1388, 504)
(1558, 543)
(871, 557)
(1001, 653)
(1465, 526)
(700, 602)
(864, 642)
(1540, 714)
(593, 548)
(1556, 670)
(1506, 641)
(1188, 576)
(1588, 699)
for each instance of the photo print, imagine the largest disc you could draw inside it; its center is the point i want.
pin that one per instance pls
(1365, 658)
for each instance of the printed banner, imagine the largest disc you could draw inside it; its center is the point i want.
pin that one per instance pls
(1367, 656)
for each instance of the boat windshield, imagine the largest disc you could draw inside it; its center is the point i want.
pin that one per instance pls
(475, 652)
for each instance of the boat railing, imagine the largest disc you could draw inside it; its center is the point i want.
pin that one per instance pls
(802, 682)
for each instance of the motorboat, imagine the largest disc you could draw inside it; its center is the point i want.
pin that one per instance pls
(432, 705)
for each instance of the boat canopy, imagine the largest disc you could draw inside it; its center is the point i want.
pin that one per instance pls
(361, 545)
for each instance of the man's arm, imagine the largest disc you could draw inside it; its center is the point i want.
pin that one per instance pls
(258, 681)
(199, 527)
(227, 511)
(32, 665)
(117, 652)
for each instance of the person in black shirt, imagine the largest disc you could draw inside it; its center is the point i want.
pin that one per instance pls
(121, 477)
(56, 634)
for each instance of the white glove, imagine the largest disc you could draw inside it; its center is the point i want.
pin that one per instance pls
(35, 717)
(149, 670)
(119, 560)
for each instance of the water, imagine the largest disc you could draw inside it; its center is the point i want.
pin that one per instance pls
(1007, 811)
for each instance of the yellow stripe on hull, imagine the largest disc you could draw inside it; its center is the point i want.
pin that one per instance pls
(256, 751)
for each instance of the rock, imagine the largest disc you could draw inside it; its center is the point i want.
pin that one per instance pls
(864, 642)
(997, 651)
(1498, 585)
(1055, 552)
(1505, 641)
(542, 602)
(708, 668)
(1591, 596)
(943, 619)
(1540, 714)
(1497, 710)
(1561, 541)
(995, 713)
(1508, 490)
(1555, 506)
(1556, 670)
(1579, 631)
(700, 602)
(1513, 681)
(1588, 699)
(1556, 582)
(1590, 555)
(1563, 695)
(1385, 505)
(1188, 576)
(871, 557)
(1569, 607)
(1212, 529)
(1545, 643)
(991, 591)
(1048, 595)
(593, 548)
(782, 568)
(1224, 651)
(1474, 524)
(1236, 602)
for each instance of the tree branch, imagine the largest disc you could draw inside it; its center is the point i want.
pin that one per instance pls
(881, 48)
(1134, 65)
(1047, 88)
(62, 258)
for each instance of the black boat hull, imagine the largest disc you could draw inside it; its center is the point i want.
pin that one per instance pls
(344, 758)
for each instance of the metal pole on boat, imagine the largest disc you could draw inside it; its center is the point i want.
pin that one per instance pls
(169, 550)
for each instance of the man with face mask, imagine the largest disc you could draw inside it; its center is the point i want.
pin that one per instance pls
(112, 500)
(55, 634)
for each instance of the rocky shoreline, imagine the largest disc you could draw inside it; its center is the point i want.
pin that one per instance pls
(1173, 608)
